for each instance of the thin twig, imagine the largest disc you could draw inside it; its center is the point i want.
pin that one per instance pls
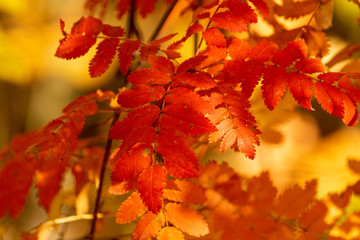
(196, 36)
(102, 175)
(163, 20)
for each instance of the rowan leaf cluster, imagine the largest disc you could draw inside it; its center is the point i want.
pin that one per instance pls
(170, 105)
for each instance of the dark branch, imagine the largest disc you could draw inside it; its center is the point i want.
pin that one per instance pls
(102, 175)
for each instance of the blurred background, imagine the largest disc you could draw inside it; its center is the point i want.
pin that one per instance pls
(35, 86)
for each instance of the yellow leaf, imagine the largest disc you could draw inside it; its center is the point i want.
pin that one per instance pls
(170, 233)
(132, 208)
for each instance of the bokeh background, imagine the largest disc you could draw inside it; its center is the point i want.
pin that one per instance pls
(35, 86)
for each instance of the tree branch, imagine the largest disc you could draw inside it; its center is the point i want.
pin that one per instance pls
(102, 175)
(163, 20)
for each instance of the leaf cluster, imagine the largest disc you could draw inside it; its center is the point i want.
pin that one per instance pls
(170, 104)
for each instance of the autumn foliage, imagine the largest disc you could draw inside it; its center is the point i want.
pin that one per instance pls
(170, 105)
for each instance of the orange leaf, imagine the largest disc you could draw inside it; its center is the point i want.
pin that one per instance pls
(293, 201)
(149, 226)
(313, 220)
(187, 192)
(295, 9)
(341, 200)
(123, 187)
(354, 165)
(186, 219)
(170, 233)
(132, 208)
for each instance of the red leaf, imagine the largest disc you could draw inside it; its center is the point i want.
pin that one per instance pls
(138, 118)
(351, 113)
(145, 6)
(195, 28)
(201, 80)
(161, 64)
(158, 42)
(182, 96)
(130, 209)
(312, 65)
(122, 7)
(130, 164)
(74, 46)
(149, 76)
(190, 64)
(180, 161)
(62, 26)
(186, 219)
(186, 120)
(213, 37)
(140, 95)
(89, 25)
(330, 98)
(126, 50)
(171, 50)
(48, 181)
(16, 178)
(228, 21)
(83, 104)
(262, 7)
(105, 53)
(238, 49)
(151, 183)
(295, 50)
(112, 31)
(236, 18)
(301, 87)
(273, 85)
(263, 51)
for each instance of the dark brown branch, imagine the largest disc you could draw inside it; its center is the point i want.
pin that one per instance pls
(163, 20)
(102, 175)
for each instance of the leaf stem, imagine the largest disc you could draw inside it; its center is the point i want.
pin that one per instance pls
(163, 20)
(102, 175)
